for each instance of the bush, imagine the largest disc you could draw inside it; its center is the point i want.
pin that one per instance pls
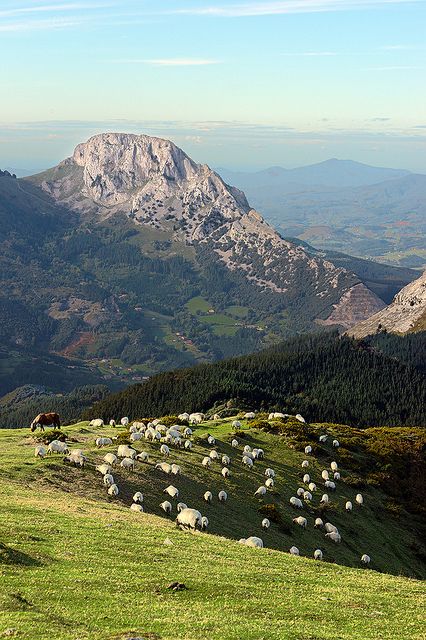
(123, 437)
(355, 481)
(169, 421)
(271, 512)
(260, 424)
(48, 436)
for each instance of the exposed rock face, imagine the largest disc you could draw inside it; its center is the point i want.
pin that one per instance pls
(157, 184)
(401, 316)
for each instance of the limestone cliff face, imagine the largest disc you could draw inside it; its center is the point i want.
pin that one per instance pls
(406, 312)
(157, 184)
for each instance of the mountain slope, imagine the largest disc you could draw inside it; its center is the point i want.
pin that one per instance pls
(406, 313)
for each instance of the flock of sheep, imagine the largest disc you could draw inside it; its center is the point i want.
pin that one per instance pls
(181, 437)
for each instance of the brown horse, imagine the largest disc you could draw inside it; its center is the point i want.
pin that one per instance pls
(45, 420)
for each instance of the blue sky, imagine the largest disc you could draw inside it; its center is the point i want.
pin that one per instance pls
(235, 83)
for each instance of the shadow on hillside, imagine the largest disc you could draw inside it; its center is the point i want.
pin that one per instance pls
(9, 556)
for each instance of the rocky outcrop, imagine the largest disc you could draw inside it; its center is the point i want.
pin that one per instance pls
(404, 314)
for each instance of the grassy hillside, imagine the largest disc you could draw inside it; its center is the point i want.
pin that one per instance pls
(76, 565)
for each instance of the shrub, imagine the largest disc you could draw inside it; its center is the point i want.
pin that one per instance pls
(169, 421)
(271, 512)
(123, 437)
(354, 481)
(48, 436)
(260, 424)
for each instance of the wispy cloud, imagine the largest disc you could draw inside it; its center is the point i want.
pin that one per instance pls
(169, 62)
(38, 25)
(50, 8)
(286, 6)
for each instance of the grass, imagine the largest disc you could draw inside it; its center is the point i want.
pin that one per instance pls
(198, 304)
(75, 565)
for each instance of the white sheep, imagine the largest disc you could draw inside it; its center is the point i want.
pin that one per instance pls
(261, 491)
(204, 523)
(124, 451)
(236, 424)
(300, 491)
(334, 537)
(196, 418)
(247, 449)
(97, 422)
(175, 469)
(260, 454)
(136, 507)
(294, 551)
(225, 472)
(214, 455)
(110, 458)
(336, 475)
(56, 446)
(333, 466)
(329, 484)
(336, 443)
(164, 449)
(330, 528)
(249, 415)
(305, 464)
(208, 496)
(318, 524)
(301, 521)
(211, 440)
(143, 456)
(183, 417)
(307, 496)
(133, 428)
(181, 506)
(112, 423)
(138, 497)
(40, 451)
(324, 474)
(124, 421)
(223, 496)
(108, 480)
(164, 467)
(306, 478)
(128, 463)
(299, 417)
(365, 558)
(172, 491)
(348, 506)
(187, 432)
(312, 486)
(76, 457)
(206, 461)
(323, 438)
(135, 436)
(265, 524)
(249, 454)
(166, 506)
(234, 443)
(248, 462)
(296, 502)
(359, 499)
(318, 554)
(308, 449)
(226, 460)
(269, 483)
(113, 490)
(324, 498)
(103, 468)
(252, 541)
(188, 444)
(269, 473)
(188, 518)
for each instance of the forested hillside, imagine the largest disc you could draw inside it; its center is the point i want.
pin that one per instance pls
(324, 377)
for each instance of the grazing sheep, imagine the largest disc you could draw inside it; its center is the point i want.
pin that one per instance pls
(124, 451)
(214, 455)
(296, 502)
(308, 449)
(138, 497)
(348, 506)
(135, 436)
(188, 444)
(236, 424)
(247, 449)
(103, 468)
(181, 506)
(172, 491)
(329, 484)
(249, 416)
(334, 537)
(208, 496)
(312, 486)
(206, 462)
(188, 519)
(260, 454)
(323, 438)
(234, 443)
(103, 442)
(56, 446)
(211, 440)
(76, 457)
(124, 421)
(269, 483)
(143, 456)
(183, 417)
(175, 469)
(301, 521)
(359, 499)
(253, 541)
(333, 466)
(196, 418)
(324, 475)
(294, 551)
(276, 414)
(365, 558)
(225, 472)
(249, 454)
(110, 458)
(223, 496)
(299, 417)
(166, 506)
(318, 554)
(187, 432)
(108, 480)
(261, 491)
(136, 507)
(113, 490)
(164, 449)
(318, 523)
(40, 451)
(306, 478)
(204, 523)
(164, 467)
(300, 491)
(265, 524)
(112, 423)
(307, 496)
(330, 528)
(226, 460)
(97, 422)
(128, 463)
(248, 462)
(269, 473)
(324, 499)
(336, 443)
(305, 464)
(133, 428)
(336, 475)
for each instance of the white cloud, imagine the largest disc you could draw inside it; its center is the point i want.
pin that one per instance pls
(37, 25)
(170, 62)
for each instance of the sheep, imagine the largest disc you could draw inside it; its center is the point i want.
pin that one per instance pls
(269, 473)
(334, 537)
(323, 438)
(318, 554)
(226, 460)
(294, 551)
(208, 496)
(301, 521)
(269, 483)
(248, 462)
(108, 480)
(336, 443)
(76, 457)
(110, 458)
(223, 496)
(196, 418)
(365, 558)
(299, 417)
(329, 484)
(56, 446)
(40, 451)
(324, 474)
(213, 455)
(97, 422)
(348, 506)
(236, 424)
(135, 436)
(143, 456)
(133, 429)
(188, 444)
(318, 524)
(333, 466)
(113, 490)
(324, 499)
(276, 414)
(112, 423)
(260, 454)
(128, 463)
(164, 467)
(253, 541)
(312, 486)
(211, 440)
(265, 524)
(336, 475)
(307, 496)
(296, 502)
(300, 491)
(187, 432)
(181, 506)
(164, 449)
(305, 464)
(225, 472)
(136, 507)
(234, 443)
(247, 449)
(166, 506)
(103, 468)
(330, 528)
(308, 449)
(150, 433)
(204, 523)
(359, 499)
(124, 421)
(249, 416)
(183, 417)
(172, 491)
(124, 451)
(261, 491)
(188, 519)
(138, 497)
(175, 469)
(306, 478)
(206, 462)
(249, 454)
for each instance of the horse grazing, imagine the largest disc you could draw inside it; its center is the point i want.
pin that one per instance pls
(45, 420)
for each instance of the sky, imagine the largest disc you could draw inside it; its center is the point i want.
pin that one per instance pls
(243, 84)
